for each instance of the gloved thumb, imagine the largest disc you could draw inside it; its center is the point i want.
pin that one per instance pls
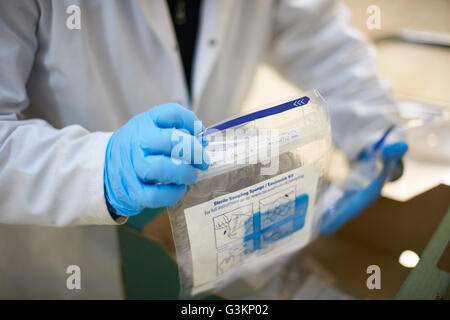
(394, 152)
(392, 160)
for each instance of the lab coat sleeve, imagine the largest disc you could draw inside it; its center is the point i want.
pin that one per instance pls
(48, 176)
(313, 47)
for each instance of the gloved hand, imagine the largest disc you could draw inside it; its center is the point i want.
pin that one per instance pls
(351, 204)
(139, 169)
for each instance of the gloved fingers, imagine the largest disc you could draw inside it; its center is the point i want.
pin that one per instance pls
(354, 202)
(162, 195)
(332, 221)
(204, 139)
(391, 156)
(173, 115)
(369, 195)
(161, 168)
(394, 152)
(189, 149)
(351, 205)
(179, 145)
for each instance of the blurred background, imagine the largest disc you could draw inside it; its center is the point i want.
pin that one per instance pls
(414, 59)
(405, 232)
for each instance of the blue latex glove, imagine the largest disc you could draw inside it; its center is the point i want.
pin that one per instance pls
(139, 170)
(354, 202)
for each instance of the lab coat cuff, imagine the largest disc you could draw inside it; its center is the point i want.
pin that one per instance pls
(100, 213)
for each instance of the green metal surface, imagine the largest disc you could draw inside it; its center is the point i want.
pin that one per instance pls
(140, 220)
(426, 280)
(148, 271)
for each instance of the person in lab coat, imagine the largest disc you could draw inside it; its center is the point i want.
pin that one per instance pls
(67, 96)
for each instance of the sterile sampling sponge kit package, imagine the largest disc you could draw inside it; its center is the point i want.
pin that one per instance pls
(256, 202)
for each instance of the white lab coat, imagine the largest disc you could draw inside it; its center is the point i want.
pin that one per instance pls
(63, 92)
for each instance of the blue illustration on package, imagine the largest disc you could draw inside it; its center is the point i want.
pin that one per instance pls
(260, 216)
(279, 215)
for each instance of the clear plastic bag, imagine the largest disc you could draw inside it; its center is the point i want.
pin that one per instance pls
(256, 201)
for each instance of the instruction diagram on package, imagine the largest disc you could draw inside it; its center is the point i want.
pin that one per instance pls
(276, 207)
(251, 225)
(233, 225)
(228, 257)
(242, 231)
(230, 229)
